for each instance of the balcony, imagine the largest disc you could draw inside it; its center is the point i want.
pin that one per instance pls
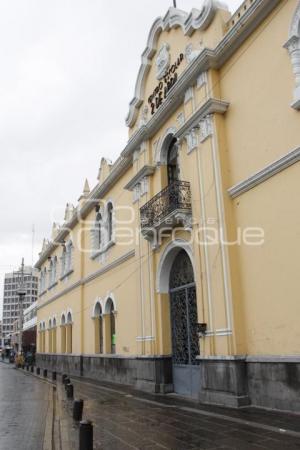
(168, 209)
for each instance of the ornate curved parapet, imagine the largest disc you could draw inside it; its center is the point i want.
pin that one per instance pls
(196, 20)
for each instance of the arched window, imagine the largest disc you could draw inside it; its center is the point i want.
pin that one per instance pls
(172, 162)
(44, 337)
(69, 333)
(63, 334)
(54, 269)
(63, 260)
(50, 273)
(112, 326)
(54, 335)
(41, 338)
(69, 256)
(98, 328)
(98, 231)
(43, 280)
(50, 336)
(109, 221)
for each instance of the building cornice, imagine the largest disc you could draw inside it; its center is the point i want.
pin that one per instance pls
(143, 172)
(267, 172)
(211, 106)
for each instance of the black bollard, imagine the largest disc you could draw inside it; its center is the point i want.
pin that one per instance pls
(86, 435)
(45, 373)
(66, 382)
(53, 376)
(64, 376)
(38, 370)
(69, 390)
(31, 369)
(77, 409)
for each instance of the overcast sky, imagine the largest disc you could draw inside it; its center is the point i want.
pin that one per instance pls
(68, 69)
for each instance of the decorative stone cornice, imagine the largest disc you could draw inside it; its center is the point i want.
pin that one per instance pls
(211, 106)
(145, 171)
(269, 171)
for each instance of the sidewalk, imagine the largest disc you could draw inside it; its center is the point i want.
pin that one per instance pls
(125, 419)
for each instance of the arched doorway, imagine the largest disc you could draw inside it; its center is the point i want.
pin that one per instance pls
(184, 319)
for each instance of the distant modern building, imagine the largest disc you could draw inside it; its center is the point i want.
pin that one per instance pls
(11, 307)
(1, 338)
(29, 328)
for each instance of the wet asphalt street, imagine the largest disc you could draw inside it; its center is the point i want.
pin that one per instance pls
(23, 409)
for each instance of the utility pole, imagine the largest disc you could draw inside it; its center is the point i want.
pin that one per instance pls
(21, 294)
(174, 4)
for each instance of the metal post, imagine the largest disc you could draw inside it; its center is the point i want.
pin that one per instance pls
(45, 373)
(53, 376)
(77, 409)
(86, 435)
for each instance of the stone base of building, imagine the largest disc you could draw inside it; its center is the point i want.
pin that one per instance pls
(269, 382)
(150, 374)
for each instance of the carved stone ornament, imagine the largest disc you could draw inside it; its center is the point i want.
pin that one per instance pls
(190, 53)
(144, 116)
(206, 129)
(162, 61)
(192, 141)
(293, 47)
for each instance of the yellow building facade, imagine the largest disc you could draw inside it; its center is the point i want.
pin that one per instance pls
(178, 271)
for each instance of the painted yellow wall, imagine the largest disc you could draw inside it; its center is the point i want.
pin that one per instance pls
(246, 295)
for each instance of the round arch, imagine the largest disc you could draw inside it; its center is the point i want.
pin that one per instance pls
(109, 299)
(97, 308)
(69, 317)
(161, 155)
(63, 319)
(166, 261)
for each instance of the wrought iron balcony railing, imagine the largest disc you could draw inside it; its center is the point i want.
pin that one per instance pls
(176, 196)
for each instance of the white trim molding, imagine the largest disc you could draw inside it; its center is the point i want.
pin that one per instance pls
(269, 171)
(145, 171)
